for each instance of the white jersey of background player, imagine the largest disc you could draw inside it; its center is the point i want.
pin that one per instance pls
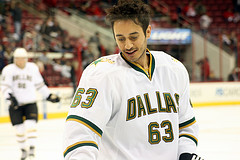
(133, 105)
(20, 81)
(23, 82)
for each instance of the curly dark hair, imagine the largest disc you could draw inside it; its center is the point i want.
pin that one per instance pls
(134, 10)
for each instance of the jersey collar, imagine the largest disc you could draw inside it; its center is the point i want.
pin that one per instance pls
(139, 68)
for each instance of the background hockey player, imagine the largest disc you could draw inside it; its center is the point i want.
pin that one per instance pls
(134, 105)
(20, 81)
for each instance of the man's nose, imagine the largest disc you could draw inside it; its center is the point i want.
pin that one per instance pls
(128, 45)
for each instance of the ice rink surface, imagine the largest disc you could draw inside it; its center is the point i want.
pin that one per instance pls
(219, 136)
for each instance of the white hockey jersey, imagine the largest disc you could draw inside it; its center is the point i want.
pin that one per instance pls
(23, 83)
(121, 112)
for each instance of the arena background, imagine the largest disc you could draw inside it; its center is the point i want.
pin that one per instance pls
(63, 36)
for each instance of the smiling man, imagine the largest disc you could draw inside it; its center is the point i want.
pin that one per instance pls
(133, 105)
(132, 41)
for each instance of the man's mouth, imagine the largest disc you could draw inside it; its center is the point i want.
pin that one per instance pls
(130, 52)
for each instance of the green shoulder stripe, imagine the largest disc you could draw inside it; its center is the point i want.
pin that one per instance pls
(195, 140)
(79, 144)
(187, 123)
(85, 122)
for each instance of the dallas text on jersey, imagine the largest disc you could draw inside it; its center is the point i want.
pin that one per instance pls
(136, 105)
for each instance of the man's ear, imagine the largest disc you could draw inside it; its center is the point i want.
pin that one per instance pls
(148, 31)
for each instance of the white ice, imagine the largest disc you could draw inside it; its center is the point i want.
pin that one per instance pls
(219, 136)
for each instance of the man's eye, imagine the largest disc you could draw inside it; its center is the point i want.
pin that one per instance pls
(133, 38)
(121, 39)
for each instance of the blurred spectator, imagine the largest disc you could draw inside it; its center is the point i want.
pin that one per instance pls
(236, 17)
(225, 38)
(200, 8)
(17, 19)
(8, 29)
(31, 40)
(66, 69)
(95, 45)
(229, 40)
(95, 38)
(46, 27)
(51, 5)
(233, 46)
(180, 14)
(205, 69)
(82, 40)
(42, 69)
(43, 58)
(57, 66)
(66, 44)
(5, 7)
(228, 15)
(8, 54)
(56, 30)
(205, 22)
(38, 24)
(52, 35)
(233, 39)
(63, 58)
(87, 58)
(84, 6)
(189, 10)
(233, 76)
(28, 41)
(55, 45)
(42, 46)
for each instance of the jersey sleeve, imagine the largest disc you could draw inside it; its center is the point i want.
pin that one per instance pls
(188, 127)
(88, 115)
(39, 83)
(6, 82)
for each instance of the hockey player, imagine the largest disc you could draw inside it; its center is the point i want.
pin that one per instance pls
(133, 105)
(20, 81)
